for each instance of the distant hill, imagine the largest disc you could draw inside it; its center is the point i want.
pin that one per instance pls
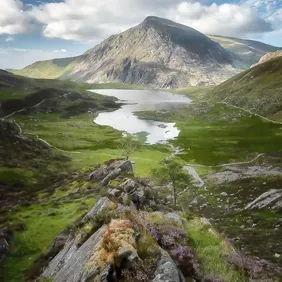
(249, 51)
(51, 69)
(258, 90)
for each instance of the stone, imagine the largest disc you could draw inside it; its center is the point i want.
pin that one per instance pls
(114, 192)
(70, 263)
(111, 170)
(135, 191)
(101, 205)
(224, 194)
(271, 198)
(4, 245)
(167, 270)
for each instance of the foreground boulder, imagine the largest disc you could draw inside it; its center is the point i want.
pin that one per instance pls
(111, 170)
(131, 246)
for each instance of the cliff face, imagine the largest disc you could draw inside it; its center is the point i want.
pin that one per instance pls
(157, 53)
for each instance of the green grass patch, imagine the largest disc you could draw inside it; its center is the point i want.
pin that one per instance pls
(211, 250)
(41, 230)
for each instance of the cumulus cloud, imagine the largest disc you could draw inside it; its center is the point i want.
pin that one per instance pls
(94, 20)
(13, 18)
(83, 20)
(225, 19)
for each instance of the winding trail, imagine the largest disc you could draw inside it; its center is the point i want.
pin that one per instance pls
(240, 163)
(24, 109)
(36, 136)
(252, 113)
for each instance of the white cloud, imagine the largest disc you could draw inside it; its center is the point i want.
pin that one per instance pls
(9, 39)
(94, 20)
(225, 19)
(13, 18)
(60, 51)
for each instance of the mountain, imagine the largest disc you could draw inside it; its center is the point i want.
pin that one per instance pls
(249, 51)
(257, 90)
(158, 53)
(268, 57)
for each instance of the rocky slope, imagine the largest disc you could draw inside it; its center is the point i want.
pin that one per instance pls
(158, 53)
(122, 238)
(268, 57)
(249, 51)
(257, 90)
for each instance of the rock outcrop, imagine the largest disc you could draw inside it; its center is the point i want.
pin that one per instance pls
(115, 247)
(271, 199)
(111, 170)
(268, 57)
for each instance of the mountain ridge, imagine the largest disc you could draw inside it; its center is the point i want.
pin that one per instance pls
(158, 53)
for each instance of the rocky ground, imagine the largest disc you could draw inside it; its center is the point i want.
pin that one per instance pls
(131, 233)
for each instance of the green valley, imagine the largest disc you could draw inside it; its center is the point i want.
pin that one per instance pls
(51, 144)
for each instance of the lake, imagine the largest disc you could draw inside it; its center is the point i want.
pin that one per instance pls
(142, 100)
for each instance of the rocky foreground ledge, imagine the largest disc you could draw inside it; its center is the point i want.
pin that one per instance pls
(122, 239)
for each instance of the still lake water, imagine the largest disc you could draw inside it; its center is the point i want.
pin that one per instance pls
(142, 100)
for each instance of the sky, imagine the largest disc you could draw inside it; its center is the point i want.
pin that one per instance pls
(32, 30)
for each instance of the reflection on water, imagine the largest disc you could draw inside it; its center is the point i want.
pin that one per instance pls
(142, 100)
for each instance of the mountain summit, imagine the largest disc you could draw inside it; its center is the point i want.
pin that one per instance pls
(158, 53)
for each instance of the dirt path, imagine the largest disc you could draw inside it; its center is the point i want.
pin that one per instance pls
(36, 136)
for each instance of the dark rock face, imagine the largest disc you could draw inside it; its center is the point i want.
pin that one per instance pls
(4, 245)
(110, 171)
(136, 192)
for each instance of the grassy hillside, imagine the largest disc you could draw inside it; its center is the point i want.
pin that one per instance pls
(51, 69)
(257, 90)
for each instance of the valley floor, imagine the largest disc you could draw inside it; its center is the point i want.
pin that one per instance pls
(237, 156)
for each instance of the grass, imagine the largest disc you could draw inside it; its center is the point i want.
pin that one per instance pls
(217, 134)
(77, 133)
(193, 92)
(258, 89)
(144, 159)
(13, 93)
(41, 230)
(211, 250)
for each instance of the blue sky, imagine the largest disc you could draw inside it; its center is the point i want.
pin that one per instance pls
(32, 30)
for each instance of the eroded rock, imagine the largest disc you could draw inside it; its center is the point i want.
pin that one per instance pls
(111, 170)
(271, 199)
